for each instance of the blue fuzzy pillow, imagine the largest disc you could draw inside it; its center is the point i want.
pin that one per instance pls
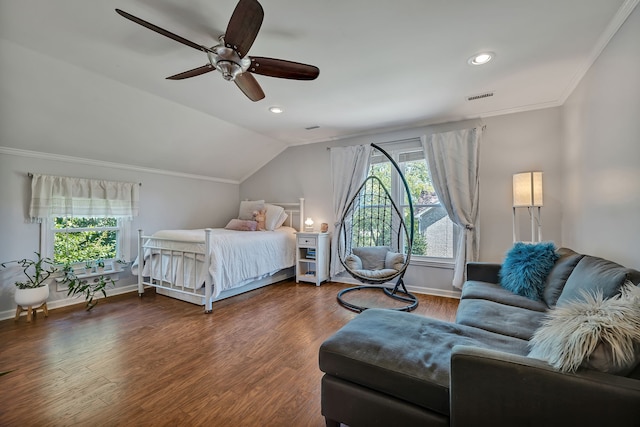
(526, 268)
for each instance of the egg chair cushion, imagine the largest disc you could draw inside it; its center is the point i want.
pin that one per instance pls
(375, 262)
(353, 262)
(381, 274)
(372, 257)
(394, 260)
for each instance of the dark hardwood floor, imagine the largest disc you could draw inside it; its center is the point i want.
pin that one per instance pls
(156, 361)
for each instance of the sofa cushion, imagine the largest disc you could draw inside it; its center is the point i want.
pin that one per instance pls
(404, 355)
(592, 274)
(526, 268)
(557, 278)
(494, 292)
(499, 318)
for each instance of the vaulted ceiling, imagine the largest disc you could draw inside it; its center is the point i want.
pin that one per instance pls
(77, 79)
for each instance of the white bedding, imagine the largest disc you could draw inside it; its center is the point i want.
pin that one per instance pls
(236, 256)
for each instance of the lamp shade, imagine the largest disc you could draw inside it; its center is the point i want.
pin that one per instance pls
(308, 224)
(527, 189)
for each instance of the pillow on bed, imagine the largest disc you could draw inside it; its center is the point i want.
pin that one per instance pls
(248, 207)
(281, 220)
(273, 216)
(242, 225)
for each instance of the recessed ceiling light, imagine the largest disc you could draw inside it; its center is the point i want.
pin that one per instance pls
(276, 110)
(481, 58)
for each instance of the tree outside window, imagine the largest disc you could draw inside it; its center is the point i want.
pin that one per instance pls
(433, 230)
(79, 239)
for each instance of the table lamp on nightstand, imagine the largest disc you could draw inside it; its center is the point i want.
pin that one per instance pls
(308, 224)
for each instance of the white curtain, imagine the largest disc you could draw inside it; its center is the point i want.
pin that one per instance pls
(349, 168)
(64, 196)
(453, 165)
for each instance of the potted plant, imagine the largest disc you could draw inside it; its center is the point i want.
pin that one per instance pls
(33, 291)
(88, 266)
(86, 287)
(100, 266)
(119, 264)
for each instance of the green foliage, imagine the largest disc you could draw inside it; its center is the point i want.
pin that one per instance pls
(81, 243)
(87, 287)
(419, 246)
(419, 182)
(37, 272)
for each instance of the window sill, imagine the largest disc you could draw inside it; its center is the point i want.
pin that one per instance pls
(432, 263)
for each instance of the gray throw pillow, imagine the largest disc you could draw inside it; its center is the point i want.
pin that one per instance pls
(559, 274)
(593, 274)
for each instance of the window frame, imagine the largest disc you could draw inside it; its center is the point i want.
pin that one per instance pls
(123, 236)
(395, 149)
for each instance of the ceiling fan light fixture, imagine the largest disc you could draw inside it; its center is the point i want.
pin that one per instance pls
(481, 58)
(228, 69)
(276, 110)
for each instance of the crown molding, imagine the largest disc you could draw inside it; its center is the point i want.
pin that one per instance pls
(100, 163)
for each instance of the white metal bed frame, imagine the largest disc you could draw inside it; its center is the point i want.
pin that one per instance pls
(188, 291)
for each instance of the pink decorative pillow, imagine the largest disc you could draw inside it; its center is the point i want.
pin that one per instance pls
(242, 225)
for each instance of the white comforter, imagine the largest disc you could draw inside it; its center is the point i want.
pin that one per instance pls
(236, 256)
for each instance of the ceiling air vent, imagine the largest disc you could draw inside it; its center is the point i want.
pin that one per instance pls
(312, 127)
(479, 96)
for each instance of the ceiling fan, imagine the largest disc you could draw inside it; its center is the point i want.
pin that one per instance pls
(230, 55)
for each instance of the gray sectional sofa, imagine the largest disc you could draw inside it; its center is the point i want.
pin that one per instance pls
(390, 368)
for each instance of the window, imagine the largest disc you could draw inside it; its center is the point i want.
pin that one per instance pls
(76, 240)
(84, 239)
(434, 233)
(83, 220)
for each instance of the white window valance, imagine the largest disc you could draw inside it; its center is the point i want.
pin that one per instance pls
(53, 196)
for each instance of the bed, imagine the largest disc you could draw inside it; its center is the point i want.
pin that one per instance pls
(198, 266)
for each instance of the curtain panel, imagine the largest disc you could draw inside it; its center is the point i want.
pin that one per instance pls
(453, 165)
(349, 168)
(53, 196)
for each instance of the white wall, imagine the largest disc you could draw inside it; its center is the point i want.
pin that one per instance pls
(588, 149)
(511, 143)
(601, 156)
(518, 143)
(166, 202)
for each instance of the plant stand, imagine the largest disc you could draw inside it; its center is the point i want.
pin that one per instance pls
(31, 311)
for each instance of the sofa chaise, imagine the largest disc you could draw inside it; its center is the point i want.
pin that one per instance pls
(391, 368)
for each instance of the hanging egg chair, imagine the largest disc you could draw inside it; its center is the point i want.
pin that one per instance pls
(375, 240)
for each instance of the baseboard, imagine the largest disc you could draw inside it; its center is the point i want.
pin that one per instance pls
(434, 292)
(10, 314)
(51, 305)
(413, 289)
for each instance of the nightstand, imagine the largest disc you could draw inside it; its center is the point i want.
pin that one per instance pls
(312, 257)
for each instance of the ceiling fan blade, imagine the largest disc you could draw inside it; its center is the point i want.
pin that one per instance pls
(249, 86)
(243, 26)
(192, 73)
(161, 30)
(283, 69)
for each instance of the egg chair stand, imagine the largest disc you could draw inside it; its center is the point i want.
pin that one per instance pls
(375, 241)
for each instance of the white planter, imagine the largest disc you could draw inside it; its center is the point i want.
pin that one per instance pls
(32, 297)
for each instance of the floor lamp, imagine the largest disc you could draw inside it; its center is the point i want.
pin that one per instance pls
(527, 193)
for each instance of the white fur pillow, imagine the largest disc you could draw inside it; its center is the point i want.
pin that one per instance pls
(594, 332)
